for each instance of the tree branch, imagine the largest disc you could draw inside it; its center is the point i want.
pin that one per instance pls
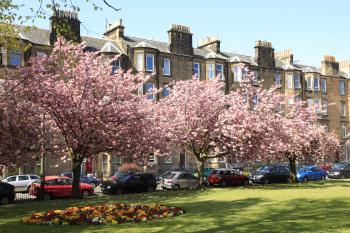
(109, 5)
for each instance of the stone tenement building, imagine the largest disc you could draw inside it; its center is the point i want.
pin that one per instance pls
(177, 59)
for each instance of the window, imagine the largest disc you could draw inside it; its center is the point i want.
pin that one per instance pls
(290, 81)
(168, 159)
(41, 54)
(21, 178)
(341, 87)
(316, 83)
(324, 85)
(139, 62)
(11, 179)
(166, 66)
(219, 71)
(318, 105)
(344, 133)
(278, 80)
(34, 177)
(296, 78)
(15, 58)
(342, 108)
(310, 102)
(116, 161)
(148, 89)
(210, 71)
(196, 69)
(309, 83)
(324, 107)
(166, 91)
(104, 164)
(2, 52)
(116, 65)
(152, 158)
(149, 62)
(238, 74)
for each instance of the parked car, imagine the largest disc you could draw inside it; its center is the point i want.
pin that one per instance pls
(21, 182)
(206, 172)
(179, 180)
(7, 193)
(58, 186)
(340, 170)
(271, 174)
(93, 181)
(227, 177)
(307, 173)
(130, 183)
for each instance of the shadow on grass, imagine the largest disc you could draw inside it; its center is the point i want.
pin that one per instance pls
(306, 185)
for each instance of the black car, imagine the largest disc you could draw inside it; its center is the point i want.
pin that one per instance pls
(131, 183)
(7, 193)
(271, 174)
(340, 170)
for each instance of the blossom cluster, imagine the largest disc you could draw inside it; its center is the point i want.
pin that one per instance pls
(101, 214)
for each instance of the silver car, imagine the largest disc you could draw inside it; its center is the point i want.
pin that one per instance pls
(179, 180)
(21, 182)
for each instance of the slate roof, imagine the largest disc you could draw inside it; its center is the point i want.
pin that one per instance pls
(42, 37)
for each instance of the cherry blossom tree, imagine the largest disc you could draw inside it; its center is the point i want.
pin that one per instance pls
(94, 109)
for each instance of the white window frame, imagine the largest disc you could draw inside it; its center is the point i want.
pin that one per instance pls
(290, 81)
(318, 83)
(222, 77)
(298, 86)
(278, 81)
(309, 82)
(325, 107)
(169, 66)
(237, 74)
(211, 71)
(140, 62)
(342, 108)
(198, 70)
(150, 55)
(324, 85)
(344, 132)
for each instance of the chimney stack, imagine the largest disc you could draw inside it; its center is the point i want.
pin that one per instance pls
(329, 66)
(210, 43)
(115, 31)
(285, 56)
(180, 40)
(66, 24)
(264, 54)
(344, 66)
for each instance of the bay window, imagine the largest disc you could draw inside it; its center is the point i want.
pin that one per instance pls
(219, 71)
(210, 71)
(139, 62)
(197, 70)
(149, 62)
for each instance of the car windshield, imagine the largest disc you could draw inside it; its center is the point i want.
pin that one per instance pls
(264, 169)
(303, 169)
(339, 166)
(170, 175)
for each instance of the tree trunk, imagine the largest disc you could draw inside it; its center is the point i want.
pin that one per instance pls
(293, 170)
(76, 168)
(200, 168)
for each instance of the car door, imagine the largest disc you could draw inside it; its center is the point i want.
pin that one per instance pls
(133, 184)
(273, 175)
(283, 173)
(314, 173)
(182, 180)
(12, 180)
(191, 181)
(22, 182)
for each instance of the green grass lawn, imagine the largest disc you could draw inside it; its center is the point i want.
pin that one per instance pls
(311, 207)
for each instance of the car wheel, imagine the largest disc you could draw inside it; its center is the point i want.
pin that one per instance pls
(322, 178)
(93, 184)
(305, 179)
(119, 191)
(85, 193)
(150, 189)
(47, 196)
(246, 182)
(4, 201)
(223, 184)
(176, 187)
(266, 181)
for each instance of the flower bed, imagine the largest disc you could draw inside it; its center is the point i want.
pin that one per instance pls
(110, 213)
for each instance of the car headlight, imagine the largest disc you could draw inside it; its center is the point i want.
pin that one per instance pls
(259, 176)
(108, 187)
(336, 173)
(298, 175)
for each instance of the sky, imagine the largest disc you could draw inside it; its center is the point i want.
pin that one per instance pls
(311, 28)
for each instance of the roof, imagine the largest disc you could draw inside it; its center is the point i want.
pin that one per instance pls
(42, 37)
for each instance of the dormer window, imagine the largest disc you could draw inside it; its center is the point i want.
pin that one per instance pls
(15, 58)
(150, 62)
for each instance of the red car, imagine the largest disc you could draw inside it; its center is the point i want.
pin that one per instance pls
(58, 186)
(225, 177)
